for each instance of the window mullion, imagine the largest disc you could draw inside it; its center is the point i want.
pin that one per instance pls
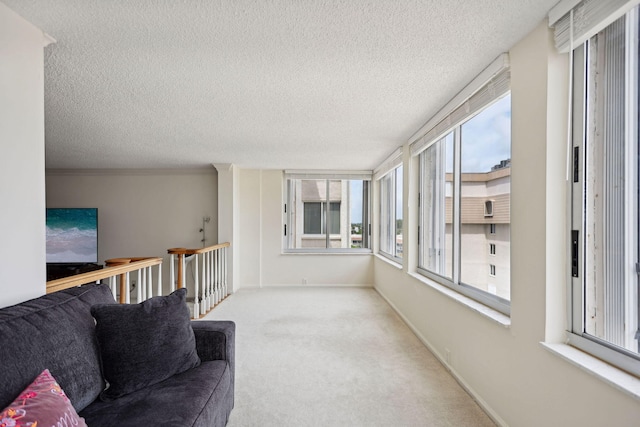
(327, 216)
(456, 204)
(580, 132)
(631, 180)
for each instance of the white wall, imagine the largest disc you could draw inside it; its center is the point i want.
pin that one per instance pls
(506, 368)
(261, 261)
(141, 213)
(22, 187)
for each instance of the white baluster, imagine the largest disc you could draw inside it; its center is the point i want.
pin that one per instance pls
(150, 282)
(127, 288)
(112, 283)
(224, 271)
(196, 305)
(205, 287)
(160, 279)
(143, 284)
(172, 275)
(184, 270)
(212, 289)
(216, 283)
(219, 274)
(138, 287)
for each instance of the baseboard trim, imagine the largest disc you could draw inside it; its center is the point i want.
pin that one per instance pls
(474, 395)
(309, 285)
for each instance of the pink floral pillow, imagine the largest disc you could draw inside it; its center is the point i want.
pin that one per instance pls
(42, 404)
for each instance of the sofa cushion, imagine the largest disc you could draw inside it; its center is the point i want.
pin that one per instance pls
(54, 332)
(144, 344)
(43, 402)
(198, 397)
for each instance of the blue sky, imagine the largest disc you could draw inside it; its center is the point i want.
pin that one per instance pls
(486, 138)
(356, 201)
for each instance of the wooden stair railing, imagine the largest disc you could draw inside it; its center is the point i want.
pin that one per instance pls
(118, 269)
(210, 275)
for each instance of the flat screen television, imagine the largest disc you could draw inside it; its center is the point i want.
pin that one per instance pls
(72, 235)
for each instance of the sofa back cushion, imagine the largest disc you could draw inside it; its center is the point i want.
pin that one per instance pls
(54, 332)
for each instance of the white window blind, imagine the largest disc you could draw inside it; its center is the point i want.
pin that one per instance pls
(393, 161)
(575, 24)
(490, 85)
(328, 174)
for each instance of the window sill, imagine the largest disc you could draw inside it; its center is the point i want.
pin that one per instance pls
(488, 312)
(359, 252)
(615, 377)
(391, 262)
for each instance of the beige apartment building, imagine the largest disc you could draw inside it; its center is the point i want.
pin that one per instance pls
(484, 229)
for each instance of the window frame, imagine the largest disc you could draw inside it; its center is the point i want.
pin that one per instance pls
(500, 304)
(496, 302)
(389, 182)
(328, 176)
(582, 108)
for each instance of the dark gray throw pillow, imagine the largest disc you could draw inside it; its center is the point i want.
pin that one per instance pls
(143, 344)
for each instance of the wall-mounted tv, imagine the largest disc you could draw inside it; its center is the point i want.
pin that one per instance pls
(72, 235)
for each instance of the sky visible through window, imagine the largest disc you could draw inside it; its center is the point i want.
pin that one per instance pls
(486, 138)
(355, 189)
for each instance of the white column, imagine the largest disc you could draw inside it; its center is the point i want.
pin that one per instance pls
(228, 210)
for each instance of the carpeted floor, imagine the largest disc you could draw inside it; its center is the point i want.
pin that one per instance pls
(336, 357)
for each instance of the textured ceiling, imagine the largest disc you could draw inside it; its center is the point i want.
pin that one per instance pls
(304, 84)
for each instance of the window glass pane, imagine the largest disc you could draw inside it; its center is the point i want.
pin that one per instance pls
(358, 200)
(437, 207)
(312, 218)
(611, 213)
(334, 217)
(398, 208)
(485, 181)
(386, 214)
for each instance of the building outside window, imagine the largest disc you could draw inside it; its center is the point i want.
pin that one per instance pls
(605, 204)
(329, 214)
(391, 242)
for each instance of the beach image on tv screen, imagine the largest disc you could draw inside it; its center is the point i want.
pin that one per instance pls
(72, 235)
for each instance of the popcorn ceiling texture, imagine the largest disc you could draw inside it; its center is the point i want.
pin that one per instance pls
(314, 84)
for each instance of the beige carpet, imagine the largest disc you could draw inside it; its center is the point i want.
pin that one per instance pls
(336, 357)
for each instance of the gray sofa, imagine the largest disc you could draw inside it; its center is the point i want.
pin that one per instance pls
(57, 332)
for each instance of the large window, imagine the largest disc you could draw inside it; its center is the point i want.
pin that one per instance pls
(605, 221)
(465, 186)
(391, 242)
(326, 214)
